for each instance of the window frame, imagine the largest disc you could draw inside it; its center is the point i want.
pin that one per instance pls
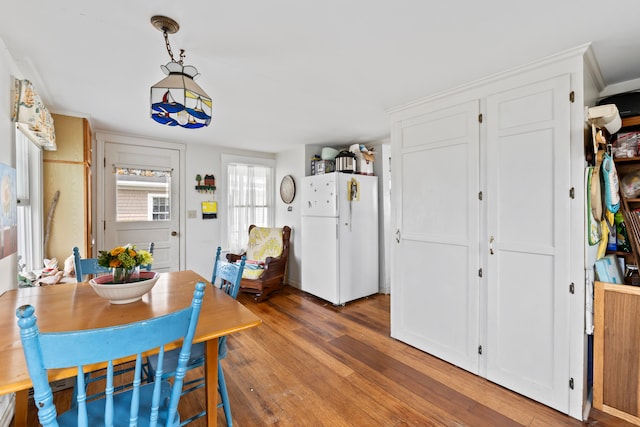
(226, 161)
(151, 197)
(30, 210)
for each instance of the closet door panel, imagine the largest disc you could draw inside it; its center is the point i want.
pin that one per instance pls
(535, 287)
(435, 271)
(437, 320)
(433, 208)
(526, 213)
(528, 221)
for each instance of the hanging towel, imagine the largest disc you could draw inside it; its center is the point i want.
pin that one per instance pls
(593, 226)
(596, 193)
(610, 179)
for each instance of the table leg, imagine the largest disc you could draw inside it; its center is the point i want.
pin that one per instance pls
(211, 381)
(22, 407)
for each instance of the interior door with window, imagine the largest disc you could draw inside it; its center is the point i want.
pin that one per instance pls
(141, 201)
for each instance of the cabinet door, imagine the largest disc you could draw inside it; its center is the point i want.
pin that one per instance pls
(616, 353)
(528, 222)
(434, 304)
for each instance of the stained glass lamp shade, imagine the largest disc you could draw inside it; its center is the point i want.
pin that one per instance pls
(177, 100)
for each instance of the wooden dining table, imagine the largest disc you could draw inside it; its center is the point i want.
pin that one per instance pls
(76, 306)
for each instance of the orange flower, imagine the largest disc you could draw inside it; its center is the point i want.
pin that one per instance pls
(125, 257)
(117, 251)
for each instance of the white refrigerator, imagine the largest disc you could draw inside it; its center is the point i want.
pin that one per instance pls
(340, 236)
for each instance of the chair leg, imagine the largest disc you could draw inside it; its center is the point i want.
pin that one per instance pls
(222, 388)
(266, 292)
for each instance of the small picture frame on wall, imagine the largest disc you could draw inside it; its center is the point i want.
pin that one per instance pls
(8, 211)
(209, 210)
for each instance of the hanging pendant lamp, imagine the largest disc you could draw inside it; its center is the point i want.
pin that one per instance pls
(177, 100)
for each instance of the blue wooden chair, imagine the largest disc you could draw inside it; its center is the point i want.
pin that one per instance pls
(230, 276)
(89, 266)
(147, 404)
(86, 266)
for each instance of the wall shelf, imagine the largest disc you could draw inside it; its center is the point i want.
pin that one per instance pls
(205, 188)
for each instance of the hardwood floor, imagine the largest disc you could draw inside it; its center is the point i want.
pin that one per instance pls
(313, 364)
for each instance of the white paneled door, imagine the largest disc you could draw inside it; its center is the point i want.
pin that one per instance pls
(434, 303)
(528, 232)
(141, 200)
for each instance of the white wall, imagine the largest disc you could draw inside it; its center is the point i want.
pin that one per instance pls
(8, 69)
(382, 168)
(9, 264)
(205, 235)
(292, 162)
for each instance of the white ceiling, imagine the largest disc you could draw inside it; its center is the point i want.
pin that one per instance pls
(287, 72)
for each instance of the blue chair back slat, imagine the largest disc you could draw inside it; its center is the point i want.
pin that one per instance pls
(77, 348)
(152, 246)
(86, 266)
(229, 274)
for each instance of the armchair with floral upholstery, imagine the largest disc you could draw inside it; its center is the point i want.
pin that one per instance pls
(266, 260)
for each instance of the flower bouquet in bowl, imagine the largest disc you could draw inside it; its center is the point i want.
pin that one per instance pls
(125, 262)
(126, 283)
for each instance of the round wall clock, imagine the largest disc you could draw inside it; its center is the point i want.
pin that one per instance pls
(287, 189)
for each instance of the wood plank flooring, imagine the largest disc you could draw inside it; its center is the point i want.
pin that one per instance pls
(313, 364)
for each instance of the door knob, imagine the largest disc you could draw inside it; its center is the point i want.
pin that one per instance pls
(174, 233)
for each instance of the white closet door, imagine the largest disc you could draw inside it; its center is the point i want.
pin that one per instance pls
(434, 304)
(528, 184)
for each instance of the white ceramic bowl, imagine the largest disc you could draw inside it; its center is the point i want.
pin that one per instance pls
(328, 153)
(126, 292)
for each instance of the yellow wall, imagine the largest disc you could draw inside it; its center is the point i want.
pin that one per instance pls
(64, 170)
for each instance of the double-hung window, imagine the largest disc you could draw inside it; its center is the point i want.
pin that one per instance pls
(250, 197)
(29, 208)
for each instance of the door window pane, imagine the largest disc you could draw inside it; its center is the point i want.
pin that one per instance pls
(142, 195)
(158, 207)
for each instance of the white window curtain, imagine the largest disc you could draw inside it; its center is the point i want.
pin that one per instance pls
(250, 200)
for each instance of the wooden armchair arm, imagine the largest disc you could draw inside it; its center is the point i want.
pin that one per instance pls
(274, 267)
(234, 257)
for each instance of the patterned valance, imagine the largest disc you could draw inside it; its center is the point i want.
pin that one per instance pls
(32, 116)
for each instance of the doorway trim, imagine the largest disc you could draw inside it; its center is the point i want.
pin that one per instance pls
(99, 162)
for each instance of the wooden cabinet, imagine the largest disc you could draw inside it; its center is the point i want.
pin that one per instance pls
(616, 355)
(68, 170)
(616, 378)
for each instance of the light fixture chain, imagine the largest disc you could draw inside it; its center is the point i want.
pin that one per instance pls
(169, 51)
